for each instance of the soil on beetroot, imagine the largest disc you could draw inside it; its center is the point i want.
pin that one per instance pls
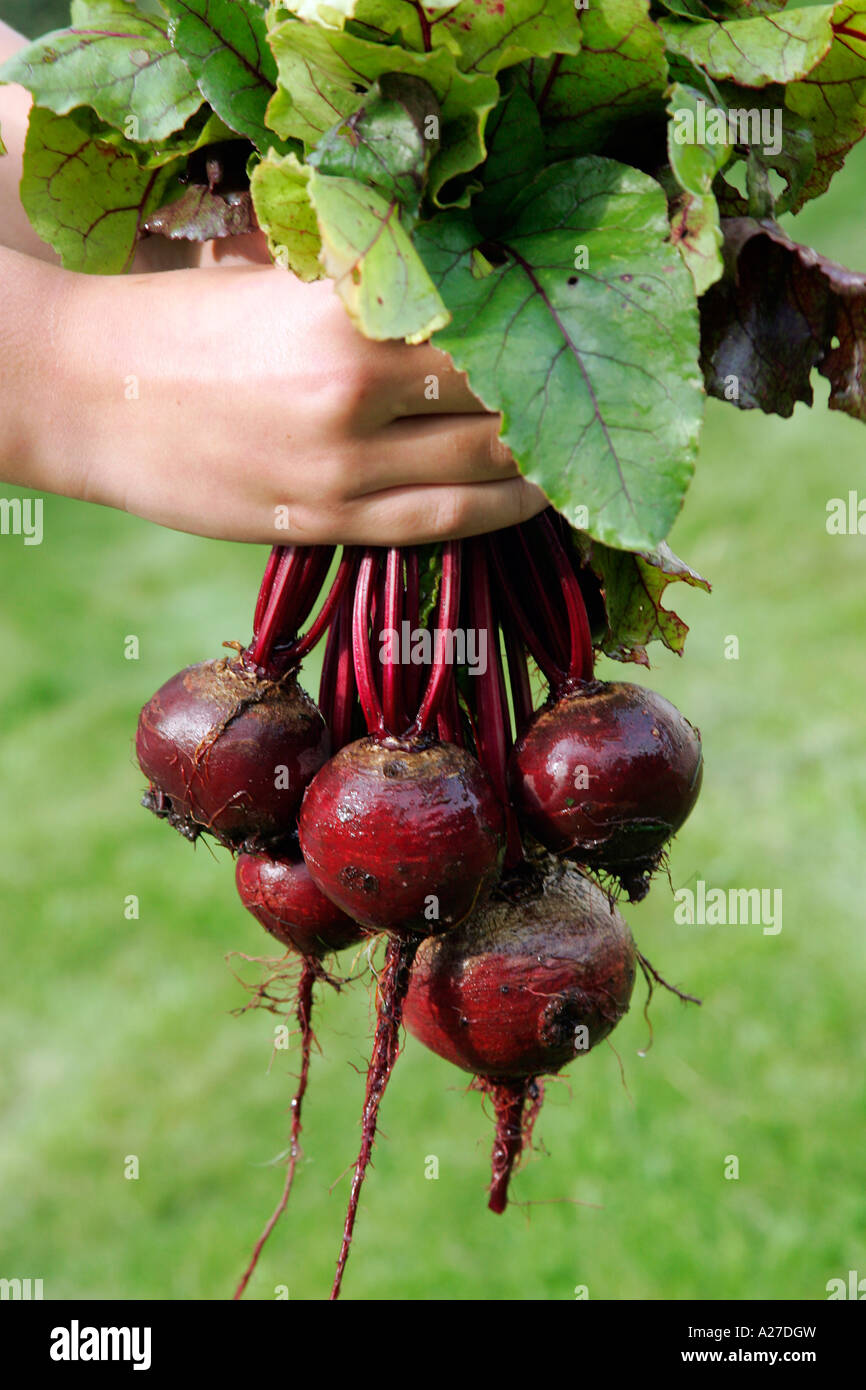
(230, 752)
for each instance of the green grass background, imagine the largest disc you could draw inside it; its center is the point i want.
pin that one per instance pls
(117, 1036)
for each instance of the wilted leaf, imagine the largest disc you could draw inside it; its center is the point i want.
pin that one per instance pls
(200, 215)
(633, 587)
(781, 310)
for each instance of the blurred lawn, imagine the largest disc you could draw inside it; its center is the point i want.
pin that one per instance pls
(117, 1036)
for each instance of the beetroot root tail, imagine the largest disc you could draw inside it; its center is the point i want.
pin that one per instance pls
(304, 1008)
(391, 992)
(513, 1128)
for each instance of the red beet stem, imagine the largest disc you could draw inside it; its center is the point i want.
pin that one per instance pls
(492, 720)
(541, 605)
(449, 608)
(304, 1005)
(528, 631)
(367, 692)
(509, 1099)
(392, 684)
(325, 617)
(337, 688)
(391, 992)
(287, 578)
(412, 676)
(266, 586)
(580, 661)
(448, 724)
(345, 690)
(314, 574)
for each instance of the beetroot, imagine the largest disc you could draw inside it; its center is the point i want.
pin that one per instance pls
(281, 894)
(519, 991)
(435, 786)
(405, 836)
(607, 773)
(230, 751)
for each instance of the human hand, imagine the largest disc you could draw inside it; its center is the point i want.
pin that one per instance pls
(241, 404)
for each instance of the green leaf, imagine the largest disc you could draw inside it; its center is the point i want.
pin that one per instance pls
(780, 311)
(695, 160)
(697, 235)
(129, 74)
(633, 589)
(367, 251)
(515, 153)
(483, 37)
(585, 336)
(790, 152)
(429, 581)
(832, 99)
(695, 157)
(717, 9)
(285, 213)
(225, 45)
(85, 197)
(619, 75)
(325, 74)
(384, 144)
(754, 52)
(203, 130)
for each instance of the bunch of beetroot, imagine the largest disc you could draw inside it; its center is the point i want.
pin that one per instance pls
(426, 799)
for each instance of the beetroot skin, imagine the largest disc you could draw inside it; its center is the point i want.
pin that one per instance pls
(643, 767)
(404, 837)
(214, 741)
(283, 897)
(505, 994)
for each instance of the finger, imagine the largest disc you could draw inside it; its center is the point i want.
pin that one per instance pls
(437, 450)
(416, 515)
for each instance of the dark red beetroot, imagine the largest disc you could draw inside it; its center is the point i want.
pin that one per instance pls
(230, 752)
(520, 990)
(282, 896)
(608, 773)
(406, 836)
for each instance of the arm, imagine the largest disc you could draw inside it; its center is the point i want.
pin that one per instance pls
(15, 103)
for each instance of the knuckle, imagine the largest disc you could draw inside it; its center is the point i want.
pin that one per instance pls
(356, 390)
